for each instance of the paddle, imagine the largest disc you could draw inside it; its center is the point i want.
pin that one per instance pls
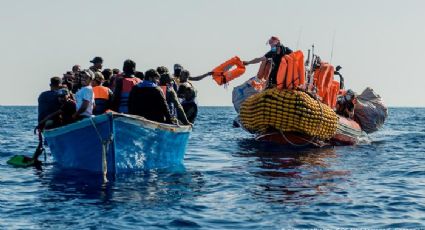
(25, 161)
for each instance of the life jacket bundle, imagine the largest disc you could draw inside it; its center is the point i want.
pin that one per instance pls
(226, 72)
(291, 72)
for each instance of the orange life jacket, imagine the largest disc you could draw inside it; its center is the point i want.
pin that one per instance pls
(164, 90)
(101, 92)
(224, 73)
(101, 98)
(291, 73)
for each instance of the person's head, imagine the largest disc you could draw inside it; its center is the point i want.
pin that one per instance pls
(55, 83)
(63, 94)
(177, 69)
(97, 62)
(129, 67)
(274, 41)
(115, 71)
(152, 75)
(165, 79)
(350, 95)
(139, 75)
(76, 68)
(162, 70)
(107, 73)
(184, 76)
(86, 77)
(98, 79)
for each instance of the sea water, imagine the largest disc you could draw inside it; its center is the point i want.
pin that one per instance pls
(229, 181)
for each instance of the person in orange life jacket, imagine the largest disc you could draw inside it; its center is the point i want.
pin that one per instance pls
(48, 103)
(102, 95)
(147, 99)
(65, 112)
(123, 86)
(176, 109)
(187, 94)
(277, 51)
(84, 97)
(97, 64)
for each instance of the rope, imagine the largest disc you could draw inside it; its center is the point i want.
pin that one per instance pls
(105, 145)
(297, 145)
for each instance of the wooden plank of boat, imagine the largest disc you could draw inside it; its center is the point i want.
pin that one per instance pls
(142, 144)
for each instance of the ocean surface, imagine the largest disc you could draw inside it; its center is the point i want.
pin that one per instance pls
(229, 181)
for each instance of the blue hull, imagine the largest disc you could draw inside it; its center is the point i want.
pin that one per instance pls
(135, 144)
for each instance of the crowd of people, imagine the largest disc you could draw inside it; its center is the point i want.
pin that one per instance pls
(155, 94)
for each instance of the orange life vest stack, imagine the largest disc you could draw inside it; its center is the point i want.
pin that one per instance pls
(291, 72)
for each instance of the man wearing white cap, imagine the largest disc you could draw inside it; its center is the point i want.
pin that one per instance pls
(277, 51)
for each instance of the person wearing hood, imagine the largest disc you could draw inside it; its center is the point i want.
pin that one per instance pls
(147, 99)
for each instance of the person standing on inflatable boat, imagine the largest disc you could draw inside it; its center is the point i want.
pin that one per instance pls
(276, 53)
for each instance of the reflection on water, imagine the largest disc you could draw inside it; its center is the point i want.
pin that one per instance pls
(153, 187)
(292, 175)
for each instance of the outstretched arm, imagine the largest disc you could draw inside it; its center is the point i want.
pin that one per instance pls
(255, 60)
(200, 77)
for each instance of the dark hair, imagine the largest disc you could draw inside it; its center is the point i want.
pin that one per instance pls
(115, 71)
(107, 73)
(151, 74)
(162, 70)
(165, 79)
(55, 81)
(129, 67)
(139, 75)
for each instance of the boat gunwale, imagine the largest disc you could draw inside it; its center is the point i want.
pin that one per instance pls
(141, 121)
(76, 125)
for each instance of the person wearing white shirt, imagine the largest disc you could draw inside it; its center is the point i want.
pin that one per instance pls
(85, 97)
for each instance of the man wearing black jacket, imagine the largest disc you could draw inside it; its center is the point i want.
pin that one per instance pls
(146, 99)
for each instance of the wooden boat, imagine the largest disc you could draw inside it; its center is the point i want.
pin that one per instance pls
(116, 143)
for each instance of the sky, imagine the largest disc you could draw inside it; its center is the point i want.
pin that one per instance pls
(380, 44)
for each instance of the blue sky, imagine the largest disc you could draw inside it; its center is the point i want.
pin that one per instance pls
(379, 44)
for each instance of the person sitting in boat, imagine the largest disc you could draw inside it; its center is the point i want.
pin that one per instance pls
(176, 76)
(188, 95)
(65, 112)
(345, 104)
(48, 103)
(146, 99)
(85, 96)
(102, 95)
(176, 109)
(123, 86)
(97, 64)
(277, 51)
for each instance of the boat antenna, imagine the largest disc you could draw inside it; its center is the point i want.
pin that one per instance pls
(299, 36)
(332, 50)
